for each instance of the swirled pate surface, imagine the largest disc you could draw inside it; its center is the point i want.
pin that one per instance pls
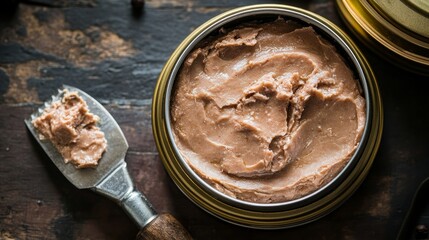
(267, 112)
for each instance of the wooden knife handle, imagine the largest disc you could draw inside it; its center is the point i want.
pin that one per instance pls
(164, 226)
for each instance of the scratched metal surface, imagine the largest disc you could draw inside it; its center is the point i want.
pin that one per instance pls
(115, 55)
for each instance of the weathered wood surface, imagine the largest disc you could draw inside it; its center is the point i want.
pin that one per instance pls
(114, 54)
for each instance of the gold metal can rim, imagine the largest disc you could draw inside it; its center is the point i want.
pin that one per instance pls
(264, 218)
(378, 29)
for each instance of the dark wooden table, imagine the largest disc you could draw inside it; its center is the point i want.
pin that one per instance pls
(115, 54)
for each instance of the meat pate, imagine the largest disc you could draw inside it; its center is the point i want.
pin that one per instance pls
(73, 130)
(267, 112)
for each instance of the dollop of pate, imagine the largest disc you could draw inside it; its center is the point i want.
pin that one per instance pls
(267, 112)
(73, 130)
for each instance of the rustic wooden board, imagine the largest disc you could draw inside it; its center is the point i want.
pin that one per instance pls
(115, 55)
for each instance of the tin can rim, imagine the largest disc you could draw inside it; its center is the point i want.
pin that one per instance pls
(397, 44)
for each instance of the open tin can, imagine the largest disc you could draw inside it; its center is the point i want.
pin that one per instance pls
(268, 215)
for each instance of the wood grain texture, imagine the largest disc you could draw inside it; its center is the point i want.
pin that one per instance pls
(164, 226)
(115, 55)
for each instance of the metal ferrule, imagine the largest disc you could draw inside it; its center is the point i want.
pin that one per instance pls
(119, 187)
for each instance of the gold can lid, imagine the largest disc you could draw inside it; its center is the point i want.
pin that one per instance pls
(397, 30)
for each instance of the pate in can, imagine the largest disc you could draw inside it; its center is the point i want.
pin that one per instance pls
(275, 211)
